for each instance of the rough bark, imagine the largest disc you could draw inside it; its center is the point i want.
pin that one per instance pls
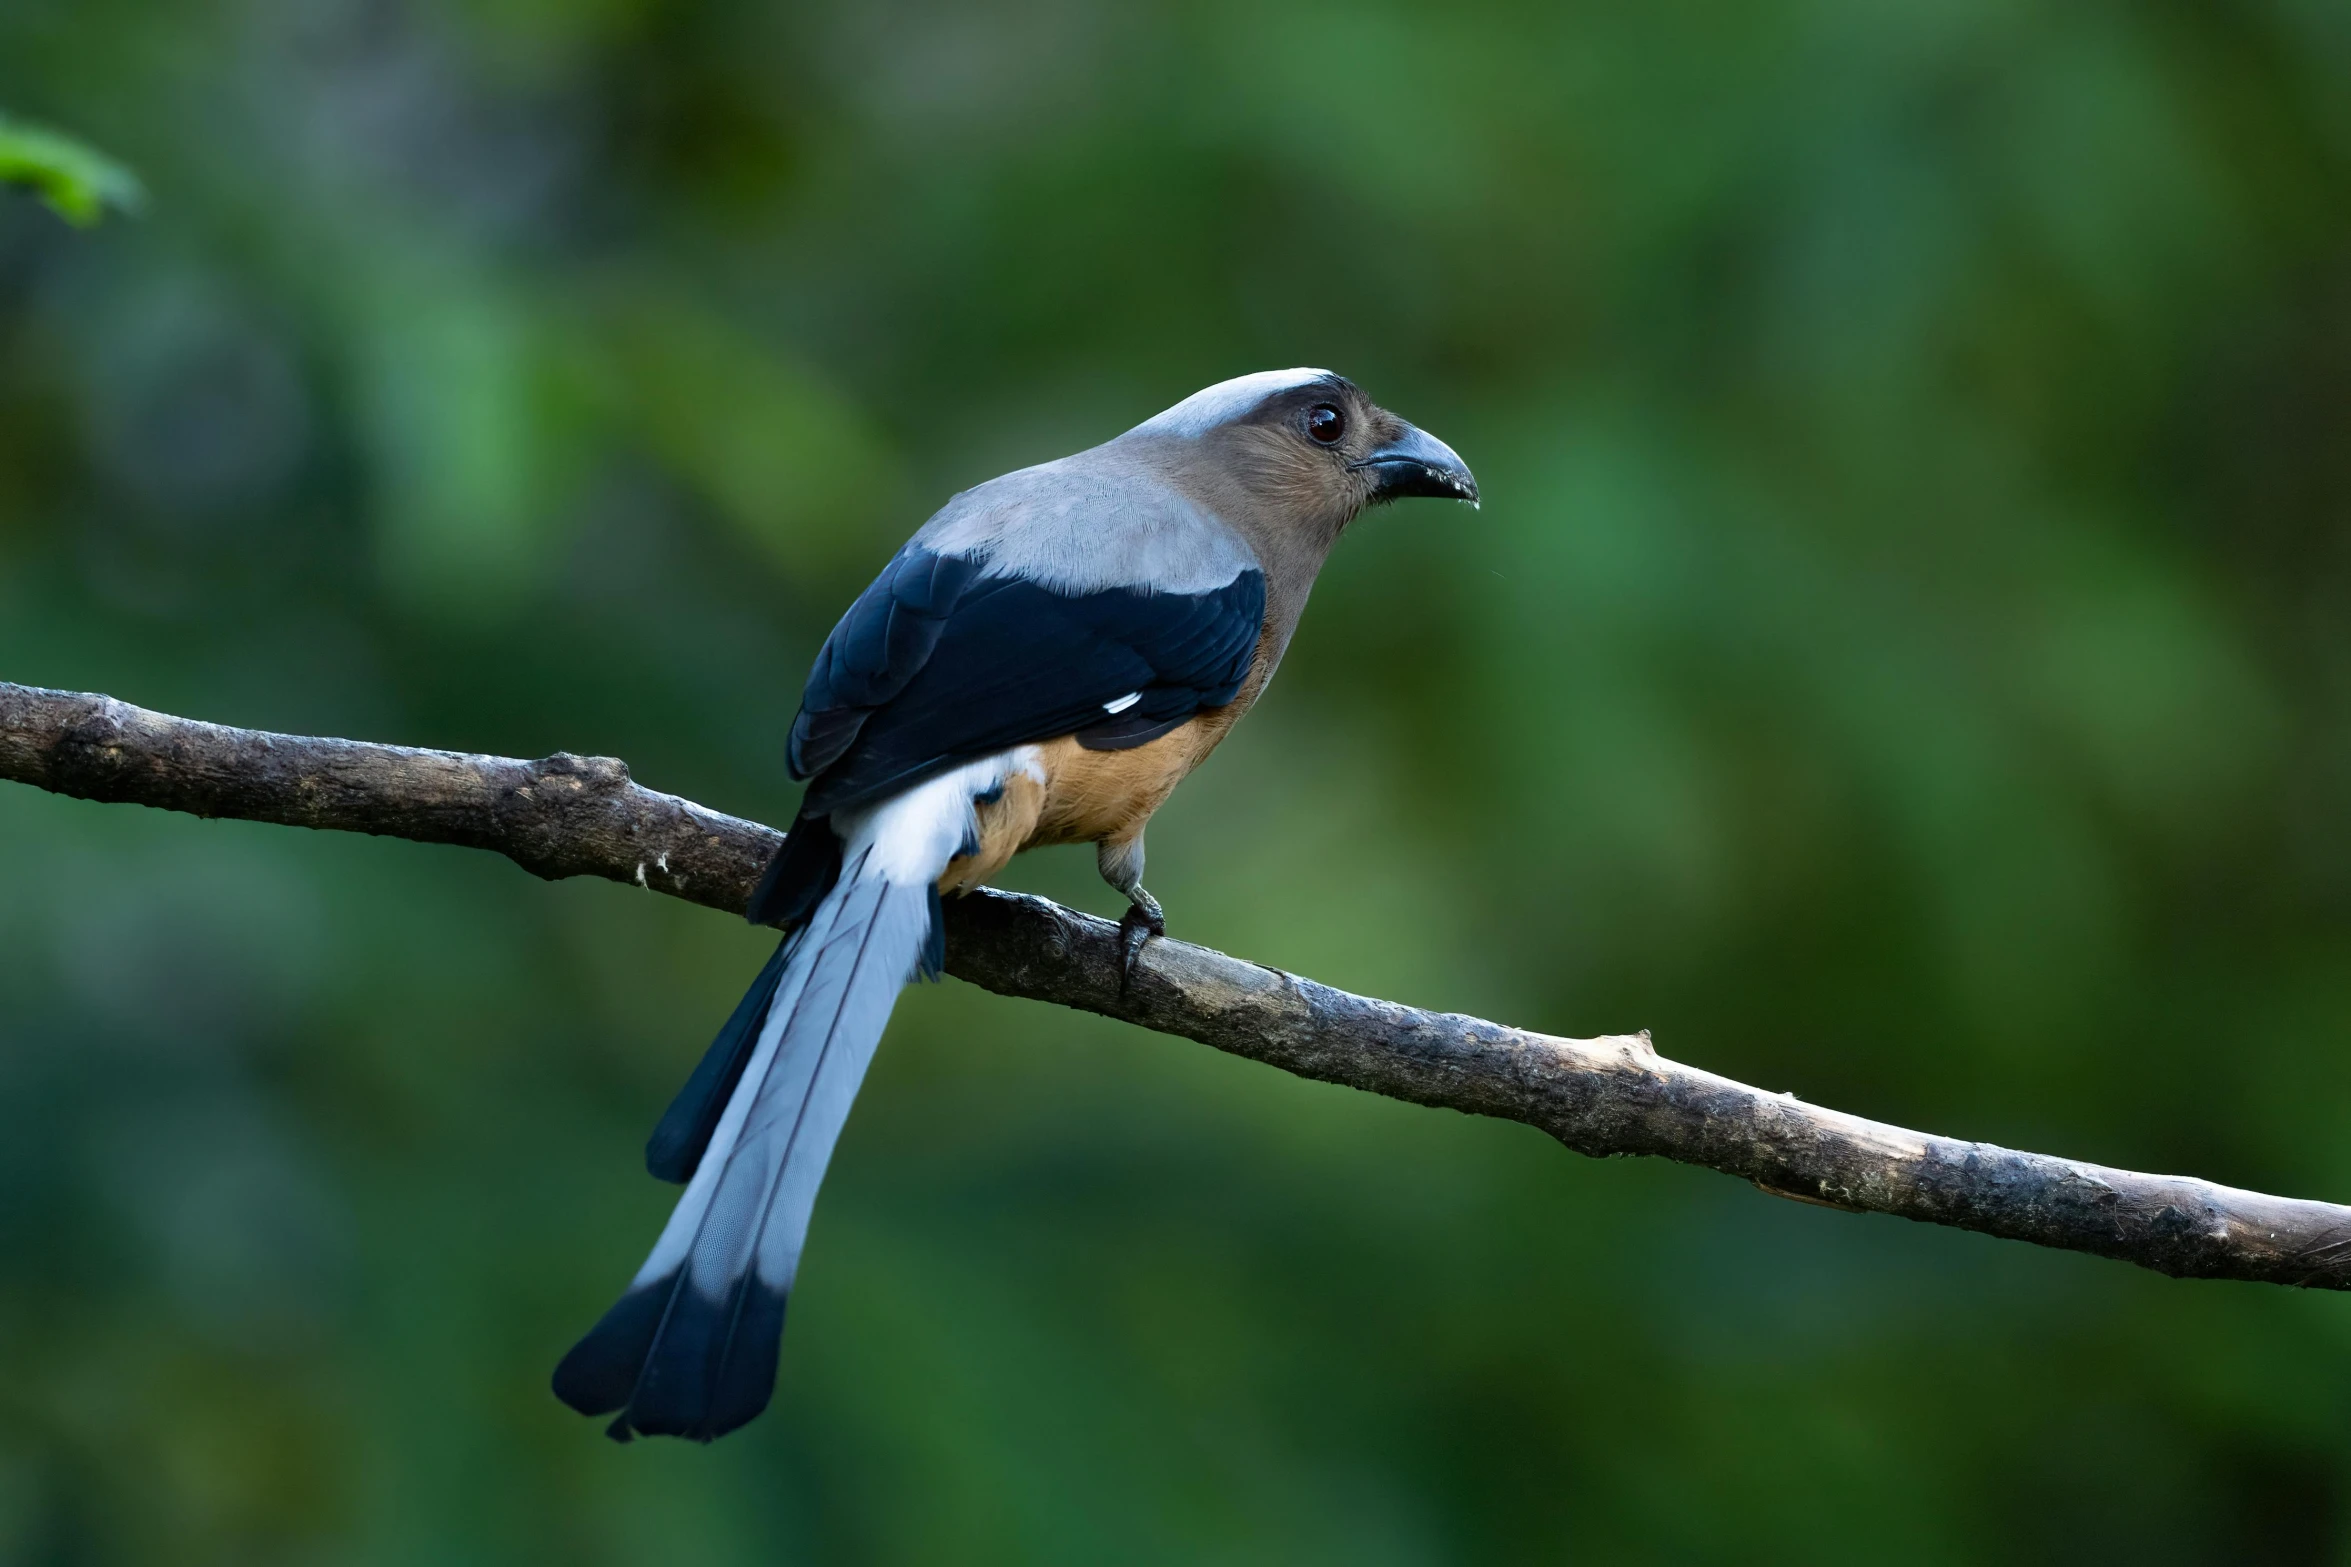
(583, 816)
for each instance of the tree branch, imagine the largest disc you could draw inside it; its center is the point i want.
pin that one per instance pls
(583, 816)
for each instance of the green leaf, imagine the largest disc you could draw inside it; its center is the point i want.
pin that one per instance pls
(78, 182)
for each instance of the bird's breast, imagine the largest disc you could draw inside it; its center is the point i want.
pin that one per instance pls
(1068, 794)
(1072, 795)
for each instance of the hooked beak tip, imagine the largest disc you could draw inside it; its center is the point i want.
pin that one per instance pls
(1417, 463)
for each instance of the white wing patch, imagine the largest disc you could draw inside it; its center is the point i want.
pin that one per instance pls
(1123, 703)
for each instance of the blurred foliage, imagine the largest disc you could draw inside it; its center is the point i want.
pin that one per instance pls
(78, 182)
(1903, 658)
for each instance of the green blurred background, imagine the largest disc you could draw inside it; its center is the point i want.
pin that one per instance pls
(1903, 658)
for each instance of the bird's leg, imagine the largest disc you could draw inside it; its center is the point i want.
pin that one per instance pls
(1121, 865)
(1143, 920)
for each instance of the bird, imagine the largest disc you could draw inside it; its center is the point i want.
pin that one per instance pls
(1042, 663)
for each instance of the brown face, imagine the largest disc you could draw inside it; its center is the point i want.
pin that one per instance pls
(1322, 452)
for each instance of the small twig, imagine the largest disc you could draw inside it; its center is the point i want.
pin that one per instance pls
(583, 816)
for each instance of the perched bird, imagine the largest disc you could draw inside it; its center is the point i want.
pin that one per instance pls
(1042, 663)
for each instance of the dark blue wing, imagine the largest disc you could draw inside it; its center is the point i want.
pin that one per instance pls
(936, 664)
(886, 636)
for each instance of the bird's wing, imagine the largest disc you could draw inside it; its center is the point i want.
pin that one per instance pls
(940, 661)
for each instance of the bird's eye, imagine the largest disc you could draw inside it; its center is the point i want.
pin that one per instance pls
(1325, 423)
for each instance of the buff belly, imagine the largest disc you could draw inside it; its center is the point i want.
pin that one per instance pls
(1073, 795)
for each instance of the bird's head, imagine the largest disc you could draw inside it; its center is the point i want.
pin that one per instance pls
(1303, 448)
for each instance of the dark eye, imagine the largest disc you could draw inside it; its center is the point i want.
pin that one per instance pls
(1325, 423)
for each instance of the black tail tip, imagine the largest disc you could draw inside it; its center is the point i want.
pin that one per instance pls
(601, 1372)
(667, 1360)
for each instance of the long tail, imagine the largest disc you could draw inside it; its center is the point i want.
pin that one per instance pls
(691, 1349)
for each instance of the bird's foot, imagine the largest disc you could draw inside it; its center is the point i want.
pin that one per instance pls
(1143, 920)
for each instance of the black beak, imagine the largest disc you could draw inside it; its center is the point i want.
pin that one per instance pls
(1417, 463)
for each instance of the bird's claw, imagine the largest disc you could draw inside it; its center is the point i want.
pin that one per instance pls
(1141, 922)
